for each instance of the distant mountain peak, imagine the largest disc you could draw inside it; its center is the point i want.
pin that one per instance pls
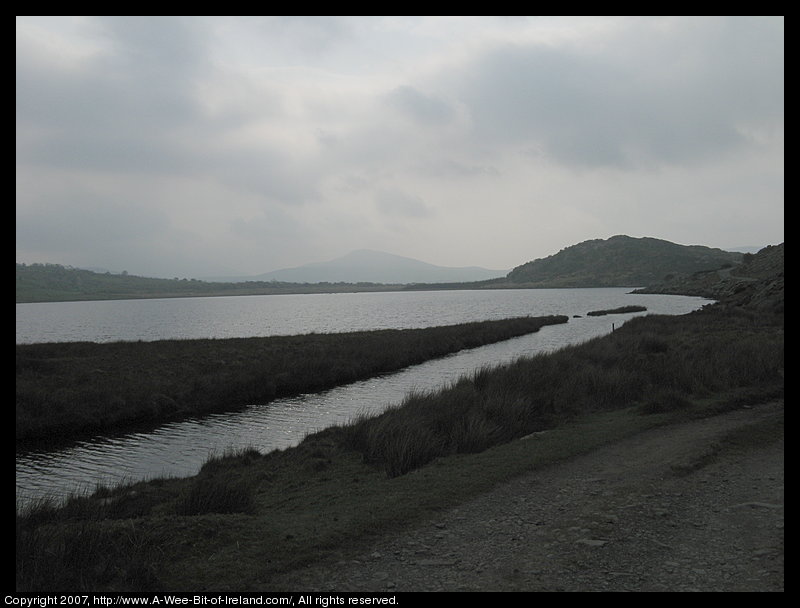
(372, 266)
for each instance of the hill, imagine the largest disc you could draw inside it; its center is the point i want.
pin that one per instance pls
(56, 283)
(365, 265)
(757, 282)
(620, 261)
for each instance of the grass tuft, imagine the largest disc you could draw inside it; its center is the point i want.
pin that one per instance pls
(216, 494)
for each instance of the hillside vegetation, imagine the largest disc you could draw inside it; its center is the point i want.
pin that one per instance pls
(56, 283)
(620, 261)
(758, 280)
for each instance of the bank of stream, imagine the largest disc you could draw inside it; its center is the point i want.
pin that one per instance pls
(179, 448)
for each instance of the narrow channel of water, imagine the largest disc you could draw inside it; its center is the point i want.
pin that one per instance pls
(179, 449)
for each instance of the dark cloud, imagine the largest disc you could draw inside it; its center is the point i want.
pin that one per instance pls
(126, 107)
(640, 98)
(136, 107)
(143, 78)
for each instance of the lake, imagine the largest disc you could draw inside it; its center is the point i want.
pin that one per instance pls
(180, 449)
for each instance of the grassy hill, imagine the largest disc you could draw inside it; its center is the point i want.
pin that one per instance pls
(56, 283)
(620, 261)
(758, 281)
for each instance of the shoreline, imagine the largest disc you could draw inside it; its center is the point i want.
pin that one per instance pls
(248, 520)
(66, 390)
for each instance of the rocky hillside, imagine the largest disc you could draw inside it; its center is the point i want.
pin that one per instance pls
(757, 282)
(620, 261)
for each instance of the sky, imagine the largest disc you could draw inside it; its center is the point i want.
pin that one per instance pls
(211, 146)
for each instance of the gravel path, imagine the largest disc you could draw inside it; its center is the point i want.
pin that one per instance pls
(662, 511)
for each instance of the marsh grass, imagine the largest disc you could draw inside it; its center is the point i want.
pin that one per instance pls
(616, 311)
(219, 487)
(216, 495)
(656, 363)
(247, 518)
(77, 546)
(64, 389)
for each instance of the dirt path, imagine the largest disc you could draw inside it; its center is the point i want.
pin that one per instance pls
(663, 511)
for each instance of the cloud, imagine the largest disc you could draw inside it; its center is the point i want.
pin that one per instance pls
(419, 135)
(398, 203)
(136, 107)
(105, 230)
(124, 107)
(425, 109)
(449, 168)
(303, 35)
(650, 93)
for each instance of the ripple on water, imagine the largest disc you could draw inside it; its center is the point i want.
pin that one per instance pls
(179, 449)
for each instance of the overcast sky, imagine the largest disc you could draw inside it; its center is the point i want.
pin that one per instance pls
(201, 146)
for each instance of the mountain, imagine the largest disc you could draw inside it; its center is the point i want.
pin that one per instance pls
(619, 261)
(367, 266)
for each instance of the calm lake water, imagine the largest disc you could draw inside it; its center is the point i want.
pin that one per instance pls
(180, 449)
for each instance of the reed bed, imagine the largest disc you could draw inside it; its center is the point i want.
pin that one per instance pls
(656, 362)
(65, 389)
(248, 517)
